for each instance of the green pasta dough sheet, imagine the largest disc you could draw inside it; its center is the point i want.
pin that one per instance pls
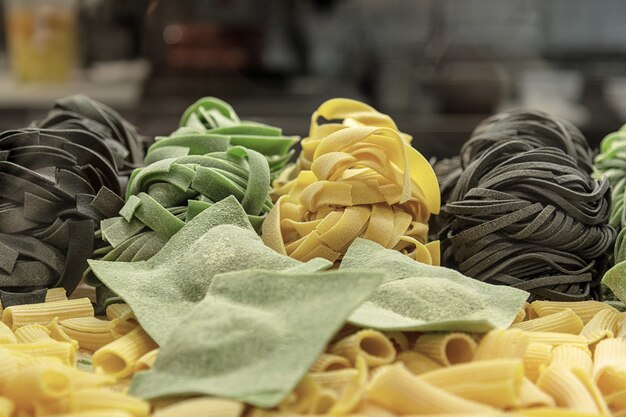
(615, 280)
(420, 297)
(164, 288)
(255, 334)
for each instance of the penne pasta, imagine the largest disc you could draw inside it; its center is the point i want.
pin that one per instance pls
(146, 361)
(119, 310)
(352, 394)
(446, 348)
(102, 399)
(565, 321)
(8, 367)
(326, 400)
(609, 368)
(36, 384)
(90, 333)
(399, 340)
(370, 409)
(303, 398)
(63, 352)
(532, 396)
(603, 325)
(326, 362)
(567, 390)
(521, 315)
(493, 382)
(334, 380)
(593, 389)
(22, 315)
(58, 334)
(583, 309)
(416, 362)
(502, 344)
(372, 345)
(56, 294)
(33, 333)
(395, 388)
(536, 356)
(202, 407)
(119, 357)
(6, 334)
(557, 339)
(572, 357)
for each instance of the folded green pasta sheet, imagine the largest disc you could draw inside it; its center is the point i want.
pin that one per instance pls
(57, 181)
(211, 124)
(524, 210)
(164, 288)
(419, 297)
(166, 194)
(254, 335)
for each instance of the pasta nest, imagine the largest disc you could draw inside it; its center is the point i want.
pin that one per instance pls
(354, 181)
(211, 124)
(610, 163)
(524, 210)
(57, 181)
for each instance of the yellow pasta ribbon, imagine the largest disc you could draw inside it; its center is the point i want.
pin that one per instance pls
(362, 180)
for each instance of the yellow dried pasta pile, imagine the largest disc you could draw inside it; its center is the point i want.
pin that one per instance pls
(357, 176)
(557, 359)
(39, 347)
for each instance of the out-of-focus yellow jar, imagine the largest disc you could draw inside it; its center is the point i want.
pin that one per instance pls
(41, 36)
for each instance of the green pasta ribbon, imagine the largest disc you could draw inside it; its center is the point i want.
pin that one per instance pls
(211, 124)
(162, 197)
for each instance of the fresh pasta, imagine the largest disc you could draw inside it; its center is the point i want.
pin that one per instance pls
(502, 344)
(22, 315)
(567, 390)
(327, 362)
(202, 407)
(572, 357)
(146, 361)
(90, 333)
(119, 357)
(417, 362)
(583, 309)
(447, 348)
(303, 398)
(603, 325)
(372, 345)
(536, 356)
(102, 399)
(565, 321)
(609, 368)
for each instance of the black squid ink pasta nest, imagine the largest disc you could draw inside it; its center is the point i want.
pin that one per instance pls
(523, 209)
(58, 179)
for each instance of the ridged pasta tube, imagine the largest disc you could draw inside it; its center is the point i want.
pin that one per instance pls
(446, 348)
(603, 325)
(146, 361)
(61, 351)
(327, 362)
(103, 399)
(33, 333)
(532, 396)
(118, 358)
(90, 333)
(502, 344)
(43, 313)
(557, 339)
(335, 380)
(303, 398)
(352, 393)
(583, 309)
(494, 382)
(372, 345)
(609, 368)
(567, 390)
(572, 357)
(398, 390)
(6, 335)
(565, 321)
(417, 363)
(536, 356)
(37, 384)
(202, 407)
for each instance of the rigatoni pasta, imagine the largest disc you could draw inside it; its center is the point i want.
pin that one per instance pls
(567, 390)
(327, 362)
(536, 356)
(446, 348)
(44, 313)
(303, 398)
(572, 357)
(103, 399)
(583, 309)
(609, 368)
(90, 333)
(202, 407)
(119, 357)
(417, 363)
(565, 321)
(502, 344)
(372, 345)
(603, 325)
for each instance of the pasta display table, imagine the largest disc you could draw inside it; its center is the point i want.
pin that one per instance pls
(217, 278)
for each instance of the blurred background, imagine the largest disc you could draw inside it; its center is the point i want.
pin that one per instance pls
(438, 67)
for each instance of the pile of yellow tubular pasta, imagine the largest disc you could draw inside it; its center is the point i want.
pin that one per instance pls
(357, 176)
